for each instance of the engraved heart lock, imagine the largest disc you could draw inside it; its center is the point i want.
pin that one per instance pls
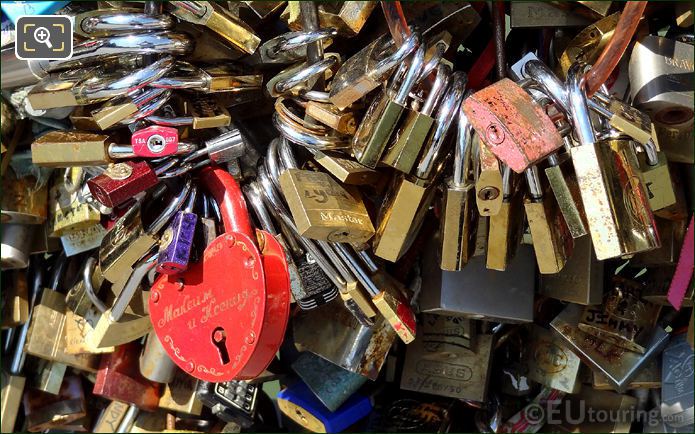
(225, 317)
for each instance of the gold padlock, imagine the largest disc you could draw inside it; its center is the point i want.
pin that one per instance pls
(322, 209)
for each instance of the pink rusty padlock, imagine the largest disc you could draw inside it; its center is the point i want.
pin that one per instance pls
(155, 141)
(225, 317)
(512, 125)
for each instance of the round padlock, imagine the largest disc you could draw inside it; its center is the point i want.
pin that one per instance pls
(225, 317)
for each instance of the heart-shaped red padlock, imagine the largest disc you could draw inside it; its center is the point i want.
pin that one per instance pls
(225, 317)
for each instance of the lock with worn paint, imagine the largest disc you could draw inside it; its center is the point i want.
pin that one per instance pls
(512, 125)
(119, 378)
(550, 362)
(192, 312)
(382, 117)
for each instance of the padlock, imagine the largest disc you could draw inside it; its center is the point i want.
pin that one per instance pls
(342, 121)
(291, 47)
(120, 110)
(581, 279)
(11, 398)
(119, 378)
(346, 170)
(408, 141)
(83, 295)
(46, 334)
(330, 383)
(323, 210)
(602, 356)
(154, 362)
(588, 44)
(231, 401)
(68, 213)
(49, 377)
(552, 241)
(179, 394)
(624, 319)
(110, 417)
(333, 333)
(475, 292)
(301, 406)
(566, 191)
(35, 282)
(463, 372)
(460, 214)
(506, 227)
(121, 181)
(387, 294)
(16, 245)
(348, 18)
(488, 185)
(200, 112)
(155, 141)
(649, 377)
(615, 201)
(385, 112)
(365, 71)
(550, 362)
(70, 148)
(127, 241)
(657, 177)
(219, 20)
(230, 144)
(542, 14)
(181, 317)
(676, 385)
(668, 102)
(24, 199)
(404, 208)
(43, 411)
(177, 240)
(15, 300)
(512, 125)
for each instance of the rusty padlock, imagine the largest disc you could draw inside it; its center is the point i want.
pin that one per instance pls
(512, 125)
(225, 317)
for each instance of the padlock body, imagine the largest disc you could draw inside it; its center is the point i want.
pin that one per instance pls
(580, 281)
(405, 149)
(121, 181)
(566, 192)
(395, 308)
(70, 148)
(657, 181)
(512, 125)
(155, 141)
(551, 239)
(615, 201)
(550, 362)
(458, 227)
(375, 130)
(176, 242)
(347, 171)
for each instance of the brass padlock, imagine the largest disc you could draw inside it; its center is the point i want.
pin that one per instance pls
(383, 115)
(347, 17)
(346, 170)
(588, 44)
(71, 148)
(543, 14)
(68, 213)
(507, 225)
(10, 399)
(15, 299)
(488, 184)
(408, 141)
(552, 241)
(615, 201)
(657, 177)
(460, 214)
(322, 209)
(404, 208)
(24, 199)
(566, 191)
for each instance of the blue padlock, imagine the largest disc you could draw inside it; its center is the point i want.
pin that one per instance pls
(298, 403)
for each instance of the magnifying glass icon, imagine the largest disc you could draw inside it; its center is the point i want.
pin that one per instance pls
(43, 36)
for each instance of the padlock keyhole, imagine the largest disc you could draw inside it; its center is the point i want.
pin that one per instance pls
(219, 339)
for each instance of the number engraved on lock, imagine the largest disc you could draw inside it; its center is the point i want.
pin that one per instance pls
(118, 171)
(444, 370)
(550, 357)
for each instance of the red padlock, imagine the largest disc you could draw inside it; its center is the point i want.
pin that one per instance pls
(121, 181)
(225, 317)
(155, 141)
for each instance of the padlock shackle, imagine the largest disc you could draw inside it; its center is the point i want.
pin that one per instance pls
(226, 192)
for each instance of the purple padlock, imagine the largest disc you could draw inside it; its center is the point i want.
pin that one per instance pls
(177, 240)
